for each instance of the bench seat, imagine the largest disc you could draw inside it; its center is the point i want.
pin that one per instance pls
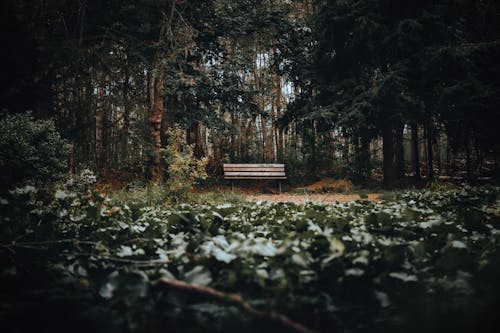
(254, 171)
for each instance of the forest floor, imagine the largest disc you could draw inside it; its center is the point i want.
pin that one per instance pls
(325, 198)
(327, 190)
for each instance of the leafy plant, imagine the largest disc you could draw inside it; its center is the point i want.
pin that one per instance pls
(183, 168)
(30, 149)
(405, 264)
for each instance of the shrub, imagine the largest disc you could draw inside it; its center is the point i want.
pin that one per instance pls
(183, 168)
(30, 149)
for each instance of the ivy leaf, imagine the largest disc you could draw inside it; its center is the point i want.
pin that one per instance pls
(108, 288)
(336, 247)
(125, 251)
(458, 244)
(405, 277)
(222, 255)
(382, 298)
(354, 272)
(199, 275)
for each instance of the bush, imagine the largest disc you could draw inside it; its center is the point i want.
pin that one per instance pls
(184, 169)
(30, 149)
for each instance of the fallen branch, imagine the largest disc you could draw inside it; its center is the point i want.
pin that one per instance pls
(138, 262)
(51, 242)
(236, 300)
(38, 246)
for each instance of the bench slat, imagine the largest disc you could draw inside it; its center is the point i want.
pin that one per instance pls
(256, 174)
(265, 178)
(255, 169)
(254, 165)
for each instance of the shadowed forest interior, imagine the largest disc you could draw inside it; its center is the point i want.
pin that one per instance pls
(249, 165)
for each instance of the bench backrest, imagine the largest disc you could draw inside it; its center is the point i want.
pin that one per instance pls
(254, 171)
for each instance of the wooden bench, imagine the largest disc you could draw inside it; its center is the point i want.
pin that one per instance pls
(255, 171)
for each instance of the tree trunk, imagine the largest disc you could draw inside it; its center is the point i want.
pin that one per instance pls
(468, 161)
(98, 118)
(388, 154)
(314, 154)
(155, 124)
(430, 155)
(271, 151)
(215, 145)
(363, 155)
(195, 138)
(234, 138)
(496, 163)
(331, 147)
(400, 153)
(106, 126)
(437, 149)
(345, 149)
(156, 92)
(126, 117)
(280, 142)
(415, 151)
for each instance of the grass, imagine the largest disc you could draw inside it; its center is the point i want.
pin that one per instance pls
(216, 197)
(140, 195)
(150, 195)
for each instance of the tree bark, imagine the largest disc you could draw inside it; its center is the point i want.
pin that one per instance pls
(280, 141)
(126, 116)
(437, 149)
(215, 146)
(345, 149)
(400, 153)
(232, 152)
(430, 151)
(388, 154)
(363, 156)
(415, 151)
(155, 124)
(98, 118)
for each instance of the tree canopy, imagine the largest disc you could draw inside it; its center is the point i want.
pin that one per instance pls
(348, 88)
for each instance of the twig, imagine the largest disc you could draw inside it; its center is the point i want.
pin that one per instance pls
(58, 241)
(138, 261)
(41, 246)
(235, 299)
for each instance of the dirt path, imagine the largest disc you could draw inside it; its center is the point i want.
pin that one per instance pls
(300, 198)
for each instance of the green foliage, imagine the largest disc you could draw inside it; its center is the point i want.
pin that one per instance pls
(138, 196)
(406, 264)
(437, 185)
(183, 168)
(216, 198)
(377, 65)
(30, 149)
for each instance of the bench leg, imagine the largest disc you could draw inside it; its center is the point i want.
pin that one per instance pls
(279, 186)
(232, 186)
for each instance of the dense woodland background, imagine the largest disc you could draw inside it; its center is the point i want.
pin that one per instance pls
(155, 95)
(354, 89)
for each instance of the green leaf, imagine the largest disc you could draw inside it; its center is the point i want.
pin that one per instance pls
(199, 275)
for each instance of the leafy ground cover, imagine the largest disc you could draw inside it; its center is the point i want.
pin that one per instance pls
(74, 261)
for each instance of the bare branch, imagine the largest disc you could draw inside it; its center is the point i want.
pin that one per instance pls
(236, 300)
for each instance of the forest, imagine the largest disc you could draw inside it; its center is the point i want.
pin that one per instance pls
(118, 116)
